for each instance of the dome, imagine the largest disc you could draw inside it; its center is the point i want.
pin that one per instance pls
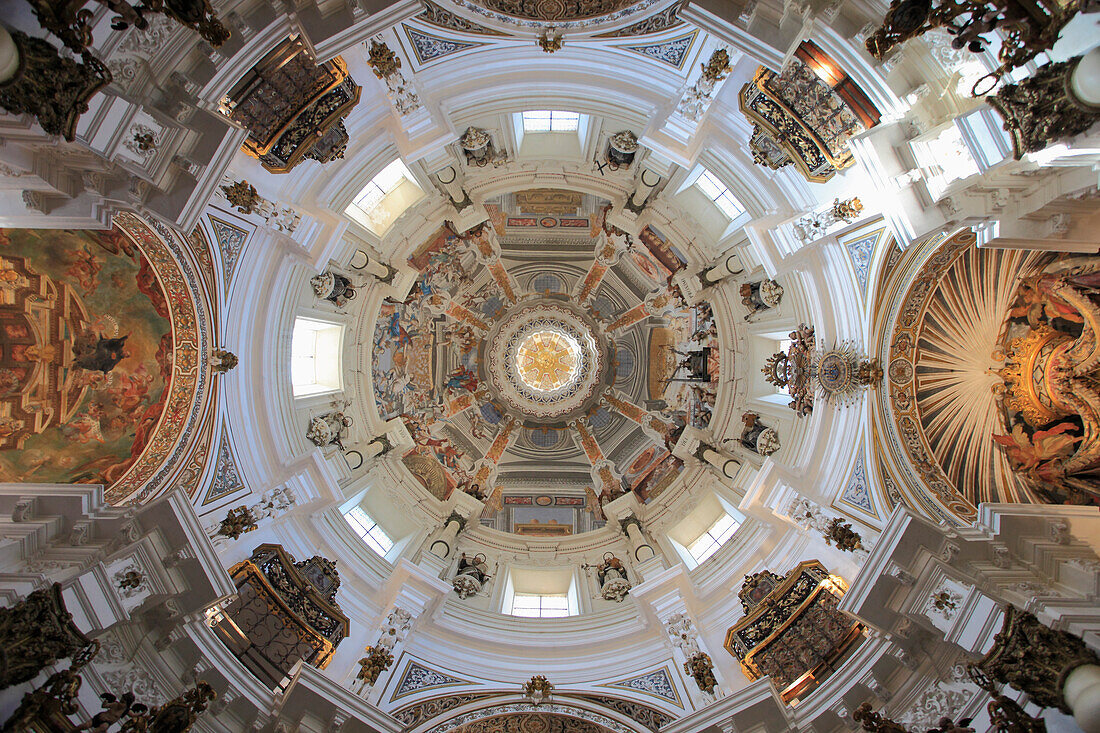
(479, 366)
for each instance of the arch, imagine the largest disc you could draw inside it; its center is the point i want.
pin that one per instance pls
(108, 368)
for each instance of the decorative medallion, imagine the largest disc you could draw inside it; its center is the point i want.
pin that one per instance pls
(548, 360)
(545, 360)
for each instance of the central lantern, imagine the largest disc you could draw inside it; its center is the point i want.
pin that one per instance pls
(548, 360)
(545, 359)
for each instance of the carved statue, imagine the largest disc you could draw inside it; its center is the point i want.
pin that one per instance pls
(174, 716)
(70, 22)
(471, 575)
(871, 720)
(611, 573)
(874, 721)
(113, 710)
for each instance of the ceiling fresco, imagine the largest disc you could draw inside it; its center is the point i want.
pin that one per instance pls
(93, 384)
(546, 379)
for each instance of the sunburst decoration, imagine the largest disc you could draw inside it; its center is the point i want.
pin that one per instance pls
(956, 372)
(547, 360)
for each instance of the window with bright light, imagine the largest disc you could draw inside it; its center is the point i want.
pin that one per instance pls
(717, 192)
(540, 606)
(709, 542)
(550, 121)
(944, 159)
(315, 357)
(385, 198)
(783, 346)
(369, 530)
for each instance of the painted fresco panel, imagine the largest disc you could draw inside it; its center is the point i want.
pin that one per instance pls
(86, 355)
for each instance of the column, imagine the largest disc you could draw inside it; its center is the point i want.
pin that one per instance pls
(725, 267)
(642, 550)
(728, 467)
(363, 262)
(394, 440)
(442, 546)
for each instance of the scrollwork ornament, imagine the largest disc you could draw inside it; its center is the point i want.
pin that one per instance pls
(1042, 109)
(54, 89)
(1034, 658)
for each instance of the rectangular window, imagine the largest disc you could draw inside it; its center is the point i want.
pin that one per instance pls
(315, 357)
(369, 530)
(550, 121)
(717, 192)
(540, 606)
(385, 198)
(709, 542)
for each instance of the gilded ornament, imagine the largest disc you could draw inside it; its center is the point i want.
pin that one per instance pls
(847, 210)
(237, 521)
(537, 689)
(54, 89)
(377, 660)
(382, 60)
(717, 67)
(945, 601)
(35, 633)
(243, 195)
(1042, 108)
(550, 41)
(701, 669)
(222, 361)
(841, 534)
(131, 580)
